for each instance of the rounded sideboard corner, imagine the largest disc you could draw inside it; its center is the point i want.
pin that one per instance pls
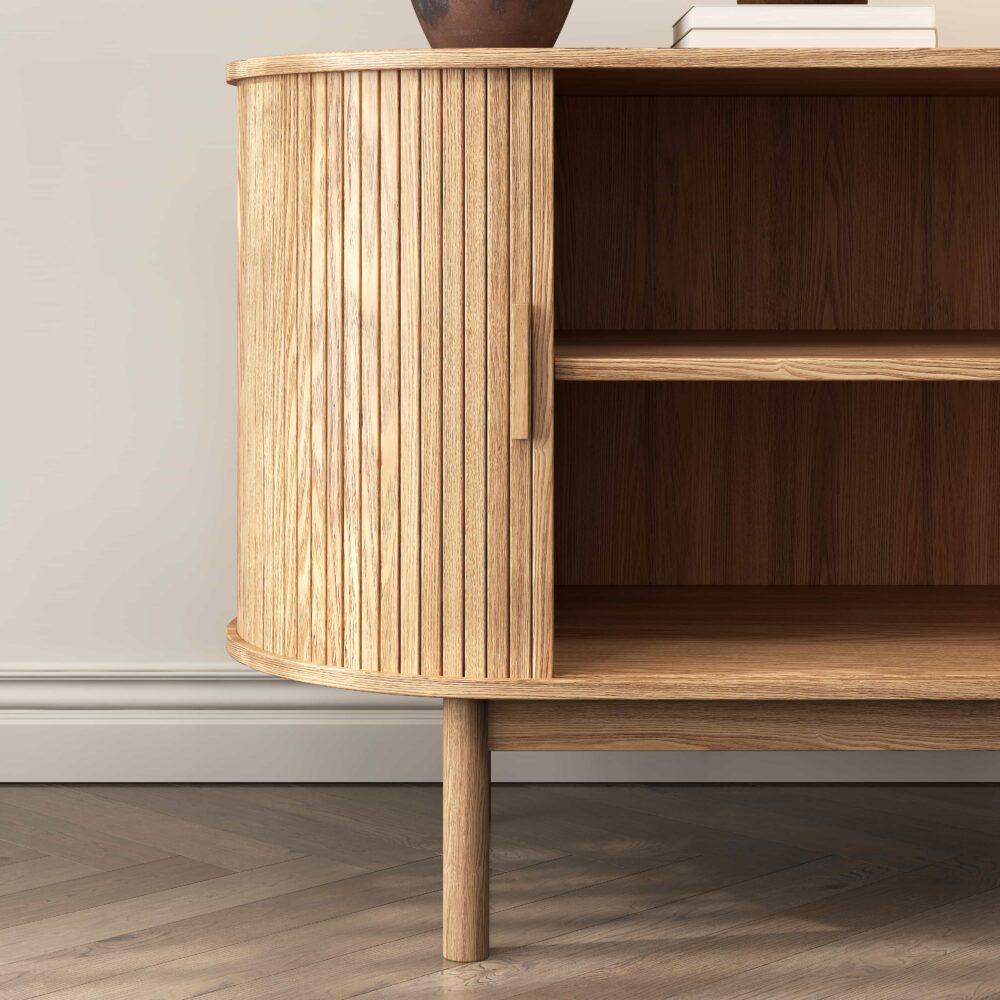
(395, 375)
(374, 682)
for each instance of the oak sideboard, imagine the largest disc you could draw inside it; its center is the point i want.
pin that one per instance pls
(623, 399)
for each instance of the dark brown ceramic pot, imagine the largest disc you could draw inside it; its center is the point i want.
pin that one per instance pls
(473, 24)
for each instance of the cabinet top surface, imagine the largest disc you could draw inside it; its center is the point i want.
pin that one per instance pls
(620, 59)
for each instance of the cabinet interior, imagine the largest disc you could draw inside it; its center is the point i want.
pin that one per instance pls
(746, 510)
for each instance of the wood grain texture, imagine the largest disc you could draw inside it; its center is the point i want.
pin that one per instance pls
(965, 167)
(800, 60)
(519, 365)
(92, 890)
(609, 631)
(497, 373)
(475, 373)
(542, 397)
(852, 483)
(371, 350)
(352, 374)
(748, 725)
(780, 193)
(860, 670)
(389, 373)
(386, 222)
(430, 372)
(409, 373)
(333, 376)
(306, 161)
(453, 377)
(856, 891)
(807, 188)
(466, 794)
(319, 479)
(656, 356)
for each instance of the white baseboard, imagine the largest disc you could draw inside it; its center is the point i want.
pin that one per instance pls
(223, 723)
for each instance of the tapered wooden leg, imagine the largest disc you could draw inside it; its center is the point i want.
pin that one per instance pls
(466, 831)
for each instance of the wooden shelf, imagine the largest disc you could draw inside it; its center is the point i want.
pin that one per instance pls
(656, 356)
(827, 641)
(732, 644)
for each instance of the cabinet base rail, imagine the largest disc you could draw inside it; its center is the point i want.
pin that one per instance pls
(474, 728)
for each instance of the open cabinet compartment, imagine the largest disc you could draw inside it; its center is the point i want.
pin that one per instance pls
(777, 441)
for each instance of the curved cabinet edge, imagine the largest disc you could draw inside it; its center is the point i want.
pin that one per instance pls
(366, 680)
(613, 59)
(776, 685)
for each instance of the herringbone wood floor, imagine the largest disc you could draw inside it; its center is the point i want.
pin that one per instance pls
(289, 891)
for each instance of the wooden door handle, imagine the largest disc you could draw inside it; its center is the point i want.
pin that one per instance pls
(520, 371)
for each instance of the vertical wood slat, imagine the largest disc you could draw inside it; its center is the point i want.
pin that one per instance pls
(542, 402)
(389, 502)
(249, 208)
(352, 372)
(475, 373)
(286, 393)
(409, 371)
(430, 372)
(399, 223)
(519, 302)
(302, 390)
(335, 371)
(371, 274)
(318, 373)
(453, 373)
(497, 373)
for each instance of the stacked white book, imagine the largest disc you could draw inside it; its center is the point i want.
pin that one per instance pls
(794, 26)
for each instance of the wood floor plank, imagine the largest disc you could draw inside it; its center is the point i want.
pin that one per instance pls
(929, 840)
(860, 960)
(38, 872)
(967, 974)
(630, 950)
(423, 837)
(750, 821)
(63, 839)
(702, 967)
(335, 937)
(54, 933)
(167, 833)
(396, 960)
(915, 815)
(540, 943)
(419, 807)
(13, 853)
(233, 809)
(771, 892)
(87, 891)
(968, 809)
(571, 803)
(259, 920)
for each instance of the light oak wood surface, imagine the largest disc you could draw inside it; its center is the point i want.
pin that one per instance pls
(745, 725)
(658, 356)
(921, 632)
(605, 58)
(757, 643)
(466, 795)
(389, 283)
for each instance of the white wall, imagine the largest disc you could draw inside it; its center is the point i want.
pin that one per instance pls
(117, 250)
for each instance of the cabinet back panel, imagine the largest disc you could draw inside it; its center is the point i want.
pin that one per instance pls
(777, 212)
(777, 483)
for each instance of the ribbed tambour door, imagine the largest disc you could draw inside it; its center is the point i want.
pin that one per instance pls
(395, 337)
